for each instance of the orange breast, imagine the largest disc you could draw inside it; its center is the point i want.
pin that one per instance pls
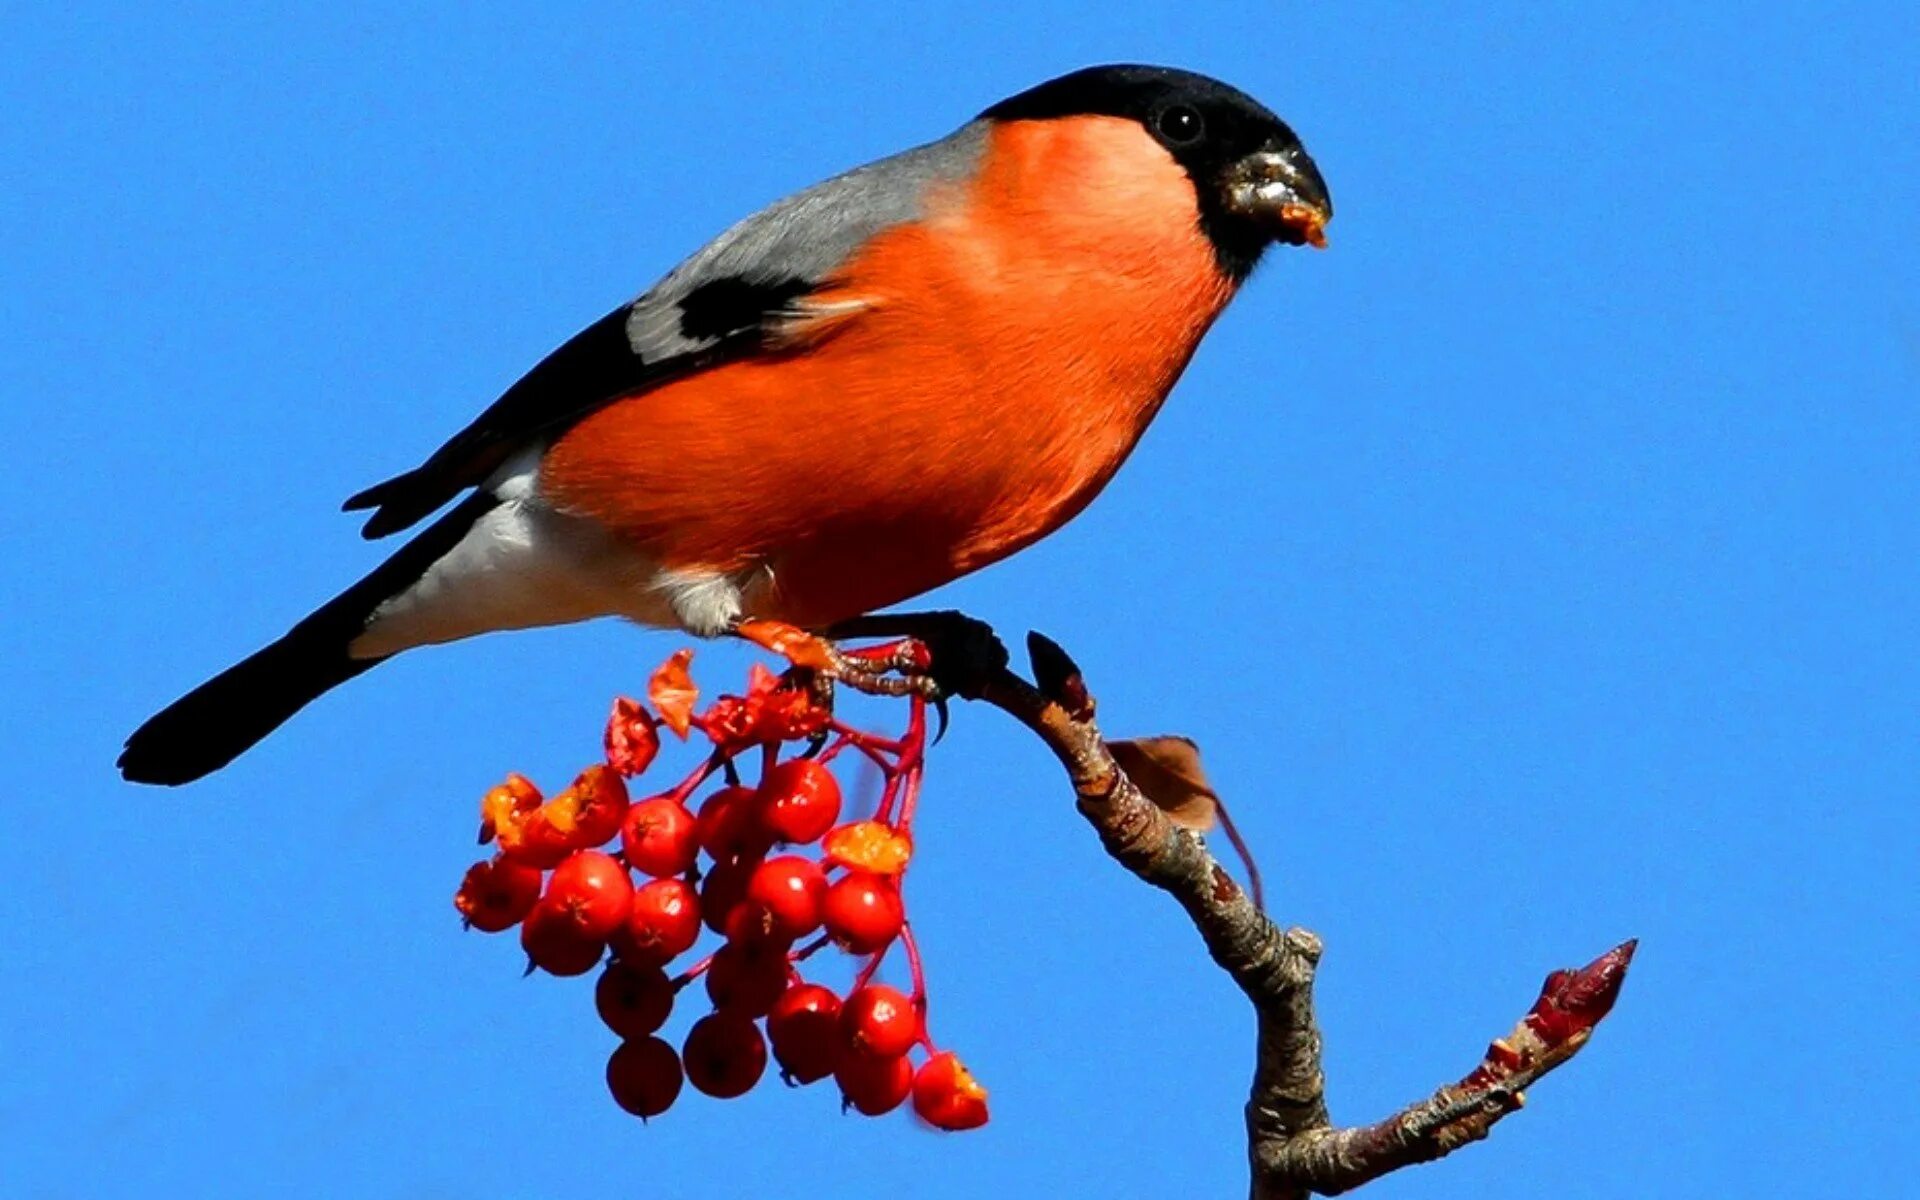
(1021, 337)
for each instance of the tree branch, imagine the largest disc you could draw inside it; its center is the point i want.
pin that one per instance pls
(1293, 1147)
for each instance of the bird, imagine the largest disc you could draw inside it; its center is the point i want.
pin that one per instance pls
(861, 392)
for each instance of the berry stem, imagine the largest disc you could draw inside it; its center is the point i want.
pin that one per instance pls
(832, 751)
(692, 973)
(912, 762)
(810, 949)
(909, 800)
(867, 972)
(913, 746)
(914, 969)
(888, 770)
(871, 743)
(699, 775)
(889, 792)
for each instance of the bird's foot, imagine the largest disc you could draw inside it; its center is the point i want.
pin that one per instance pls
(957, 655)
(934, 655)
(893, 669)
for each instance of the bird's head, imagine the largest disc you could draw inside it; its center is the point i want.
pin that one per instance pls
(1253, 181)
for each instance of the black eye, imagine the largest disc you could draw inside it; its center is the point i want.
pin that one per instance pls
(1180, 125)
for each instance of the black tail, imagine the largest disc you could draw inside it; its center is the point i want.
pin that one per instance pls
(210, 726)
(216, 722)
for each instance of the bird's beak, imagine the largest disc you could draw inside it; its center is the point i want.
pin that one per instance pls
(1283, 191)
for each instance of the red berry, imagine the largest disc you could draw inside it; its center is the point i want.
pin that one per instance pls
(873, 1085)
(723, 890)
(726, 824)
(660, 837)
(792, 890)
(880, 1022)
(749, 921)
(799, 801)
(536, 840)
(663, 923)
(804, 1028)
(599, 799)
(497, 894)
(946, 1095)
(634, 1001)
(644, 1076)
(747, 977)
(554, 943)
(594, 890)
(863, 912)
(725, 1055)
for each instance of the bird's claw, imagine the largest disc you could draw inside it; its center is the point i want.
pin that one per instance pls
(895, 669)
(946, 653)
(935, 655)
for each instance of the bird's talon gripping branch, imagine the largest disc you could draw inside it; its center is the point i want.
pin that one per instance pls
(897, 668)
(948, 653)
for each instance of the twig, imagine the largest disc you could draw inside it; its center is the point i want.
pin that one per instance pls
(1293, 1147)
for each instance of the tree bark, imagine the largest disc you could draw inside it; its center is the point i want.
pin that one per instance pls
(1293, 1147)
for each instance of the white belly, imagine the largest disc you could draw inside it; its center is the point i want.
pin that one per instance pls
(524, 564)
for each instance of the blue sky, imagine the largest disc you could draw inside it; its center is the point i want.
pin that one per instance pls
(1536, 568)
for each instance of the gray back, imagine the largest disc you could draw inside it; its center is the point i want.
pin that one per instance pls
(805, 236)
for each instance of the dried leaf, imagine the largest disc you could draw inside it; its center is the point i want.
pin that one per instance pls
(729, 721)
(507, 805)
(788, 713)
(869, 846)
(1167, 771)
(632, 739)
(673, 693)
(760, 680)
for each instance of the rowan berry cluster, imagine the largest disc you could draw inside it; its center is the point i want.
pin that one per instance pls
(770, 867)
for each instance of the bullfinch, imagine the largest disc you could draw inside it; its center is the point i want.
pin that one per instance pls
(859, 393)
